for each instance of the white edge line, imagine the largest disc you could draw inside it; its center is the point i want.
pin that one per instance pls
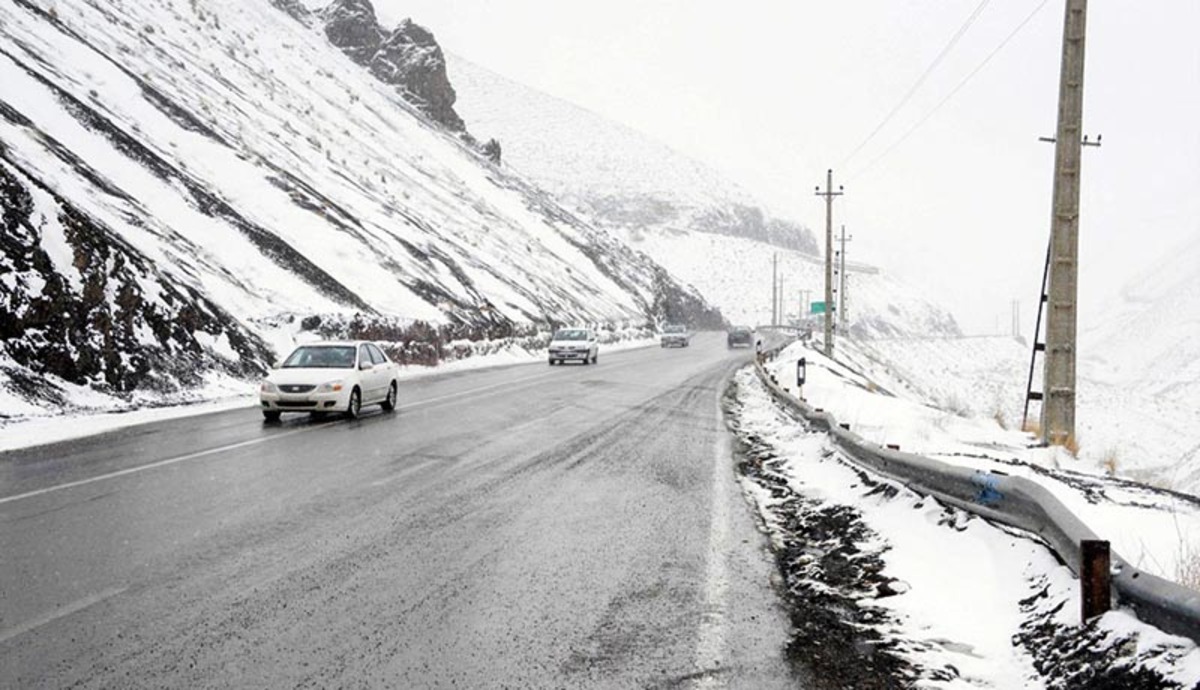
(62, 612)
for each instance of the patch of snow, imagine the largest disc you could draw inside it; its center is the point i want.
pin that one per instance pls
(963, 580)
(939, 398)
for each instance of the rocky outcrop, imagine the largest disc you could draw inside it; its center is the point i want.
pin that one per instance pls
(408, 57)
(78, 303)
(739, 220)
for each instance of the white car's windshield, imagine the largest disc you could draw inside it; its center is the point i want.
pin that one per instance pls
(321, 357)
(571, 334)
(675, 329)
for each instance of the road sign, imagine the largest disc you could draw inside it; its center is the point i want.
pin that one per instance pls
(817, 308)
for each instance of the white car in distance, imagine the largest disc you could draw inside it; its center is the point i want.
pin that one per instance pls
(339, 376)
(574, 344)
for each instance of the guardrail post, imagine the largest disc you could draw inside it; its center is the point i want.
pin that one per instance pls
(1095, 578)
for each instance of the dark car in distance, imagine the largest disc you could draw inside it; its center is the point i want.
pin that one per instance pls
(739, 336)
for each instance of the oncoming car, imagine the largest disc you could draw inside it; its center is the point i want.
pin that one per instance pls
(330, 377)
(739, 336)
(675, 335)
(578, 344)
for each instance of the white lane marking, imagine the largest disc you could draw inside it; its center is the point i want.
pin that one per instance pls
(250, 442)
(159, 463)
(73, 607)
(710, 644)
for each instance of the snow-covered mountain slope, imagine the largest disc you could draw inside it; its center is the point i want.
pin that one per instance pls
(1149, 336)
(1144, 353)
(1121, 429)
(608, 171)
(702, 227)
(181, 180)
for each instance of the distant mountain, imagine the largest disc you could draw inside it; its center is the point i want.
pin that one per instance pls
(1149, 337)
(701, 226)
(1142, 357)
(608, 171)
(184, 184)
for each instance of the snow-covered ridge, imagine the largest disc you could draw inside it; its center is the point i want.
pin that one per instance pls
(183, 180)
(609, 171)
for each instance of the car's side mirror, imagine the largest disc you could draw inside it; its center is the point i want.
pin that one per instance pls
(365, 366)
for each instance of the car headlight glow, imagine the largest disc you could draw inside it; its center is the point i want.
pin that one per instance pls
(330, 387)
(268, 387)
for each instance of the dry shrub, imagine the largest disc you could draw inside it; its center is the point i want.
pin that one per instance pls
(1072, 445)
(1000, 417)
(1187, 566)
(1032, 426)
(955, 405)
(1110, 462)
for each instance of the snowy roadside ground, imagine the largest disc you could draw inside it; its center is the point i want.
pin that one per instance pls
(888, 588)
(942, 406)
(27, 425)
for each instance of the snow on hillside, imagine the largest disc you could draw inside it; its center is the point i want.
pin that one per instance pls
(609, 171)
(875, 565)
(184, 181)
(1138, 380)
(1148, 338)
(959, 401)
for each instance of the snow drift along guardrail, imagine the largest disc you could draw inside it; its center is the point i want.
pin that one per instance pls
(1014, 501)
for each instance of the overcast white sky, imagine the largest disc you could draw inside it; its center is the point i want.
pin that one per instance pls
(773, 93)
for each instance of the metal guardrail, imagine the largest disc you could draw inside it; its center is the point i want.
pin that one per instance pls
(1013, 501)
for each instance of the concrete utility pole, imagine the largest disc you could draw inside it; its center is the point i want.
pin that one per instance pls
(775, 289)
(1058, 389)
(829, 194)
(841, 311)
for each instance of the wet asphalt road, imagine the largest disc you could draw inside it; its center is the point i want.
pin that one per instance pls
(531, 526)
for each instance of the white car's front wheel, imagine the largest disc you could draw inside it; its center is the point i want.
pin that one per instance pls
(389, 403)
(354, 409)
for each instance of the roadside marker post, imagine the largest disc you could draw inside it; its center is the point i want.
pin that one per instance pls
(801, 377)
(1095, 578)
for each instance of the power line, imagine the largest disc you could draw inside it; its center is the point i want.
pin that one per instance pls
(952, 93)
(920, 80)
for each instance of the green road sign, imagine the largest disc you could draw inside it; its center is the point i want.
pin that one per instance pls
(817, 308)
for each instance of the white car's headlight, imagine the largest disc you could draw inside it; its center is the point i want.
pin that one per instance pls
(268, 387)
(330, 387)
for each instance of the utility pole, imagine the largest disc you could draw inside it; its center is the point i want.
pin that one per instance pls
(841, 311)
(781, 303)
(774, 289)
(829, 194)
(1058, 389)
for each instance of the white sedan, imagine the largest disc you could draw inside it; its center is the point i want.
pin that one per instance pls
(579, 344)
(330, 377)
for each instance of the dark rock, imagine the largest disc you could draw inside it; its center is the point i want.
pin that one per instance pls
(408, 57)
(411, 59)
(350, 25)
(294, 8)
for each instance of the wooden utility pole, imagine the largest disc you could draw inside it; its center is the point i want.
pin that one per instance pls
(1058, 406)
(829, 194)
